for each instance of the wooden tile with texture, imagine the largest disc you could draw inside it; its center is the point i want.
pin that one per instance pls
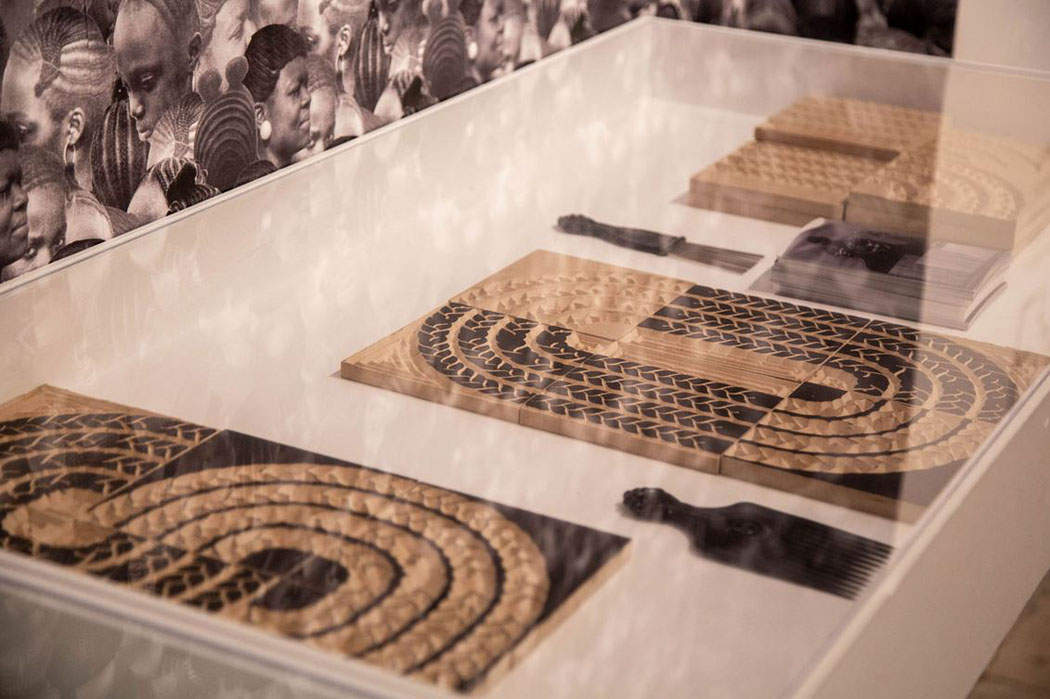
(413, 578)
(873, 415)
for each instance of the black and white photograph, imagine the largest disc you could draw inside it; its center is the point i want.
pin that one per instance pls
(113, 90)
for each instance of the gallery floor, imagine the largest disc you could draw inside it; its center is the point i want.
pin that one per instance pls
(1021, 666)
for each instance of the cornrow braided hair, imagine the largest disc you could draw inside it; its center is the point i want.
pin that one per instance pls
(270, 50)
(338, 13)
(255, 170)
(180, 16)
(77, 66)
(226, 134)
(97, 10)
(194, 195)
(445, 57)
(166, 171)
(182, 183)
(176, 130)
(118, 157)
(371, 63)
(71, 49)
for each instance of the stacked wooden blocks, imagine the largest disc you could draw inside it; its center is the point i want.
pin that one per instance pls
(888, 167)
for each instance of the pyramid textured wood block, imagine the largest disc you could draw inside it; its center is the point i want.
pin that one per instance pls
(874, 415)
(781, 183)
(887, 167)
(960, 186)
(413, 578)
(856, 127)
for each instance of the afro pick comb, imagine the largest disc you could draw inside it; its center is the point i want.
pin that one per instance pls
(768, 542)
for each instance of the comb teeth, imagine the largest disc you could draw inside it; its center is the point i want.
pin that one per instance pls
(786, 547)
(833, 560)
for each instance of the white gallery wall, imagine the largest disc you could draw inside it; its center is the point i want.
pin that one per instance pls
(1007, 32)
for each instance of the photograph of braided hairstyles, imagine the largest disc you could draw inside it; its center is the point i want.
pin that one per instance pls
(126, 111)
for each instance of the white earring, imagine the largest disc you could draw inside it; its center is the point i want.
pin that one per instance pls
(265, 130)
(472, 50)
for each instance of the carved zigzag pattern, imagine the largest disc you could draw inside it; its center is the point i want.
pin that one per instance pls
(921, 364)
(186, 576)
(152, 448)
(242, 584)
(647, 409)
(630, 424)
(648, 403)
(543, 367)
(507, 383)
(15, 492)
(942, 357)
(706, 309)
(114, 547)
(700, 294)
(660, 385)
(793, 346)
(666, 395)
(119, 422)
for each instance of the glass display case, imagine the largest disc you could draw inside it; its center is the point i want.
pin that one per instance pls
(276, 311)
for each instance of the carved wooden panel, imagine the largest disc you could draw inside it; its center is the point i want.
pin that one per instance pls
(887, 167)
(961, 186)
(875, 415)
(857, 127)
(414, 578)
(779, 182)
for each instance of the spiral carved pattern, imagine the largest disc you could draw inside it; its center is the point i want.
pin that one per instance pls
(407, 576)
(416, 579)
(707, 378)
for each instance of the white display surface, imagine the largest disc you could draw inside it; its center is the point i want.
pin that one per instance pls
(236, 315)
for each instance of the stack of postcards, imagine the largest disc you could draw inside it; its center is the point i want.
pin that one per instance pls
(931, 281)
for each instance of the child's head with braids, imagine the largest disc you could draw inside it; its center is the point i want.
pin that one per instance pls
(158, 46)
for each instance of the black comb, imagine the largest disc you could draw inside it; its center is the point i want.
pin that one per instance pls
(768, 542)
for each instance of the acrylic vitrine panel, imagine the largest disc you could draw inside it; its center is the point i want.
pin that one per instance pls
(833, 406)
(236, 316)
(886, 167)
(963, 186)
(410, 577)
